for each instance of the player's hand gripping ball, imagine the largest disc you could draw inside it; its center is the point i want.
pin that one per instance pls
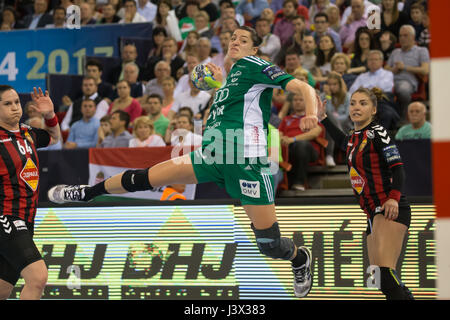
(203, 79)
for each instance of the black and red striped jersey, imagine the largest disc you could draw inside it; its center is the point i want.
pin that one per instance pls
(19, 170)
(371, 154)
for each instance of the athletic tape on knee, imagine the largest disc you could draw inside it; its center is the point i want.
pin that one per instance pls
(271, 244)
(136, 180)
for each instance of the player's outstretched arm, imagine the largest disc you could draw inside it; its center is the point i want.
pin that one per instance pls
(44, 105)
(309, 95)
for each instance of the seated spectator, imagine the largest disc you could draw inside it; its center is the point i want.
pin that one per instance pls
(119, 137)
(104, 129)
(194, 98)
(94, 69)
(168, 85)
(147, 9)
(340, 63)
(268, 15)
(166, 18)
(158, 36)
(183, 82)
(347, 9)
(169, 55)
(59, 18)
(363, 44)
(425, 37)
(407, 62)
(31, 111)
(152, 107)
(417, 17)
(131, 13)
(418, 127)
(204, 50)
(228, 24)
(89, 89)
(187, 24)
(334, 18)
(201, 20)
(189, 45)
(39, 18)
(322, 27)
(109, 14)
(271, 44)
(387, 42)
(227, 10)
(317, 7)
(352, 23)
(308, 57)
(128, 54)
(391, 18)
(301, 11)
(210, 8)
(174, 192)
(326, 51)
(86, 14)
(84, 132)
(251, 10)
(162, 70)
(144, 134)
(284, 28)
(300, 74)
(180, 132)
(9, 18)
(292, 62)
(125, 102)
(302, 147)
(130, 75)
(219, 59)
(376, 76)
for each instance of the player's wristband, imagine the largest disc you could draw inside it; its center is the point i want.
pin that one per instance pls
(51, 122)
(395, 194)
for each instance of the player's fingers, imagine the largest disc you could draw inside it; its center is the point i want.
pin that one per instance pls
(40, 92)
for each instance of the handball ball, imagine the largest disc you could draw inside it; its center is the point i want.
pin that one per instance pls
(203, 79)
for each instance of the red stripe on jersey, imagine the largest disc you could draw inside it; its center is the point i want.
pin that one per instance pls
(376, 174)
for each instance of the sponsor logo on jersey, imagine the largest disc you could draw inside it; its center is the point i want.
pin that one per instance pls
(250, 188)
(236, 74)
(391, 154)
(356, 180)
(362, 145)
(370, 134)
(20, 225)
(30, 174)
(273, 72)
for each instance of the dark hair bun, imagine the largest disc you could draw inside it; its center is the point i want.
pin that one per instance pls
(377, 92)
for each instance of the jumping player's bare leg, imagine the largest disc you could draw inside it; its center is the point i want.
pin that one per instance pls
(35, 276)
(5, 289)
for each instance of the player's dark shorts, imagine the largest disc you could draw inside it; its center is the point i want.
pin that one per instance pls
(17, 248)
(404, 215)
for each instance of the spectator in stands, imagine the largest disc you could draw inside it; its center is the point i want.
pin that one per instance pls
(334, 18)
(109, 14)
(158, 36)
(308, 57)
(417, 18)
(418, 127)
(301, 10)
(168, 85)
(162, 70)
(387, 42)
(128, 54)
(268, 14)
(125, 102)
(39, 18)
(322, 27)
(147, 9)
(183, 82)
(210, 8)
(368, 8)
(302, 147)
(284, 28)
(144, 133)
(364, 42)
(353, 22)
(104, 129)
(391, 18)
(165, 17)
(86, 14)
(425, 37)
(153, 106)
(89, 89)
(219, 59)
(84, 132)
(187, 23)
(227, 10)
(9, 17)
(130, 75)
(59, 18)
(407, 63)
(31, 112)
(169, 55)
(189, 45)
(341, 64)
(131, 13)
(228, 24)
(271, 44)
(201, 20)
(194, 98)
(94, 69)
(317, 6)
(376, 76)
(119, 137)
(325, 52)
(204, 50)
(180, 132)
(251, 9)
(292, 62)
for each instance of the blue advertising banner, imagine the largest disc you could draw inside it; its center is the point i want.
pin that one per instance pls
(26, 56)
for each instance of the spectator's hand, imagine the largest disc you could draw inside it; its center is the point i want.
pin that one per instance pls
(66, 100)
(286, 140)
(44, 104)
(400, 65)
(198, 116)
(172, 124)
(350, 19)
(70, 145)
(390, 208)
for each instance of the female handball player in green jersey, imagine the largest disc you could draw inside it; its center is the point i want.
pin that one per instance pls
(233, 152)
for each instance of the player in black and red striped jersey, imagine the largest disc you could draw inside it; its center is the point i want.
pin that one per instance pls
(19, 186)
(377, 177)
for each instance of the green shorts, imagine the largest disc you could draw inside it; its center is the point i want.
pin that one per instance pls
(251, 181)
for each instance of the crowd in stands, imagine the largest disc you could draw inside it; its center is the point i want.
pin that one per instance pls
(326, 43)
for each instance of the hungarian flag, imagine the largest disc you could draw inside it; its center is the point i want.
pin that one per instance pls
(107, 162)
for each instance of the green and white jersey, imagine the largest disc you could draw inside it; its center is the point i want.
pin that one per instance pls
(242, 106)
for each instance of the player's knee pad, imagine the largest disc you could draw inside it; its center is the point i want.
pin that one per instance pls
(392, 287)
(136, 180)
(271, 244)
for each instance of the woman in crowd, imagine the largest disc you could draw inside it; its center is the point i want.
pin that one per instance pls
(168, 86)
(165, 17)
(158, 36)
(391, 18)
(125, 101)
(189, 46)
(144, 133)
(325, 52)
(364, 42)
(340, 63)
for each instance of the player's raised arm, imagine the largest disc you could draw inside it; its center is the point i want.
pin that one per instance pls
(309, 94)
(44, 105)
